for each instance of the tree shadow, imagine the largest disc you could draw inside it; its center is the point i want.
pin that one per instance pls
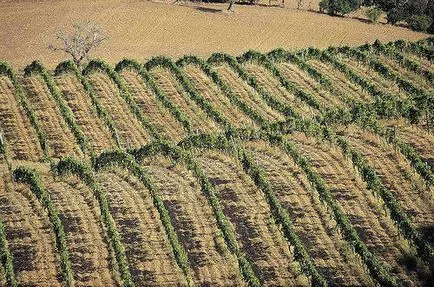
(208, 10)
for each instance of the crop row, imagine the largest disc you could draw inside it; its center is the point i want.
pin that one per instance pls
(6, 70)
(147, 78)
(37, 68)
(70, 67)
(31, 178)
(101, 66)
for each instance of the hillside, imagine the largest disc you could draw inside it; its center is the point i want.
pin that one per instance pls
(142, 29)
(300, 168)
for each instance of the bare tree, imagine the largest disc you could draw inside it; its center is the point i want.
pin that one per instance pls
(80, 41)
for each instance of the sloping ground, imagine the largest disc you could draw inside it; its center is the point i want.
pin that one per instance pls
(328, 250)
(29, 234)
(165, 123)
(15, 126)
(246, 208)
(60, 138)
(396, 174)
(130, 131)
(209, 205)
(80, 104)
(195, 224)
(363, 209)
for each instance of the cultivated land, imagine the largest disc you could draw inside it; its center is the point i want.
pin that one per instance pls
(307, 168)
(142, 29)
(303, 168)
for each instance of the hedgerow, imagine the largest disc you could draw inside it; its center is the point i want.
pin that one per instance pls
(147, 78)
(103, 67)
(31, 178)
(70, 67)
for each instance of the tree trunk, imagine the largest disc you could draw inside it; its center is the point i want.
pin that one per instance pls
(231, 5)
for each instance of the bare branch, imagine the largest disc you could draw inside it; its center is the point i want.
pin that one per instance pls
(78, 43)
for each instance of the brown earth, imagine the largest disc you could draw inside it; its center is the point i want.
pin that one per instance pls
(141, 29)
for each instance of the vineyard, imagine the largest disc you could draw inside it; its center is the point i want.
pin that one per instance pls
(292, 168)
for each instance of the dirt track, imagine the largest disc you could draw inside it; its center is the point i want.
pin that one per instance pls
(140, 29)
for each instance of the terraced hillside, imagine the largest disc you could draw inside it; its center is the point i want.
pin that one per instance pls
(291, 168)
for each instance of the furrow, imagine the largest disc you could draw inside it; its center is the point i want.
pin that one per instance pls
(29, 235)
(304, 82)
(417, 80)
(379, 81)
(212, 93)
(60, 138)
(397, 175)
(340, 81)
(247, 93)
(270, 84)
(87, 245)
(200, 122)
(363, 209)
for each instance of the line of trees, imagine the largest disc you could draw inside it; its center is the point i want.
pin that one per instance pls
(418, 14)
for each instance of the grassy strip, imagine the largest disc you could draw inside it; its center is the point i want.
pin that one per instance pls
(69, 165)
(126, 161)
(279, 213)
(70, 67)
(147, 78)
(101, 66)
(167, 63)
(178, 154)
(6, 70)
(218, 58)
(36, 67)
(6, 258)
(227, 91)
(31, 178)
